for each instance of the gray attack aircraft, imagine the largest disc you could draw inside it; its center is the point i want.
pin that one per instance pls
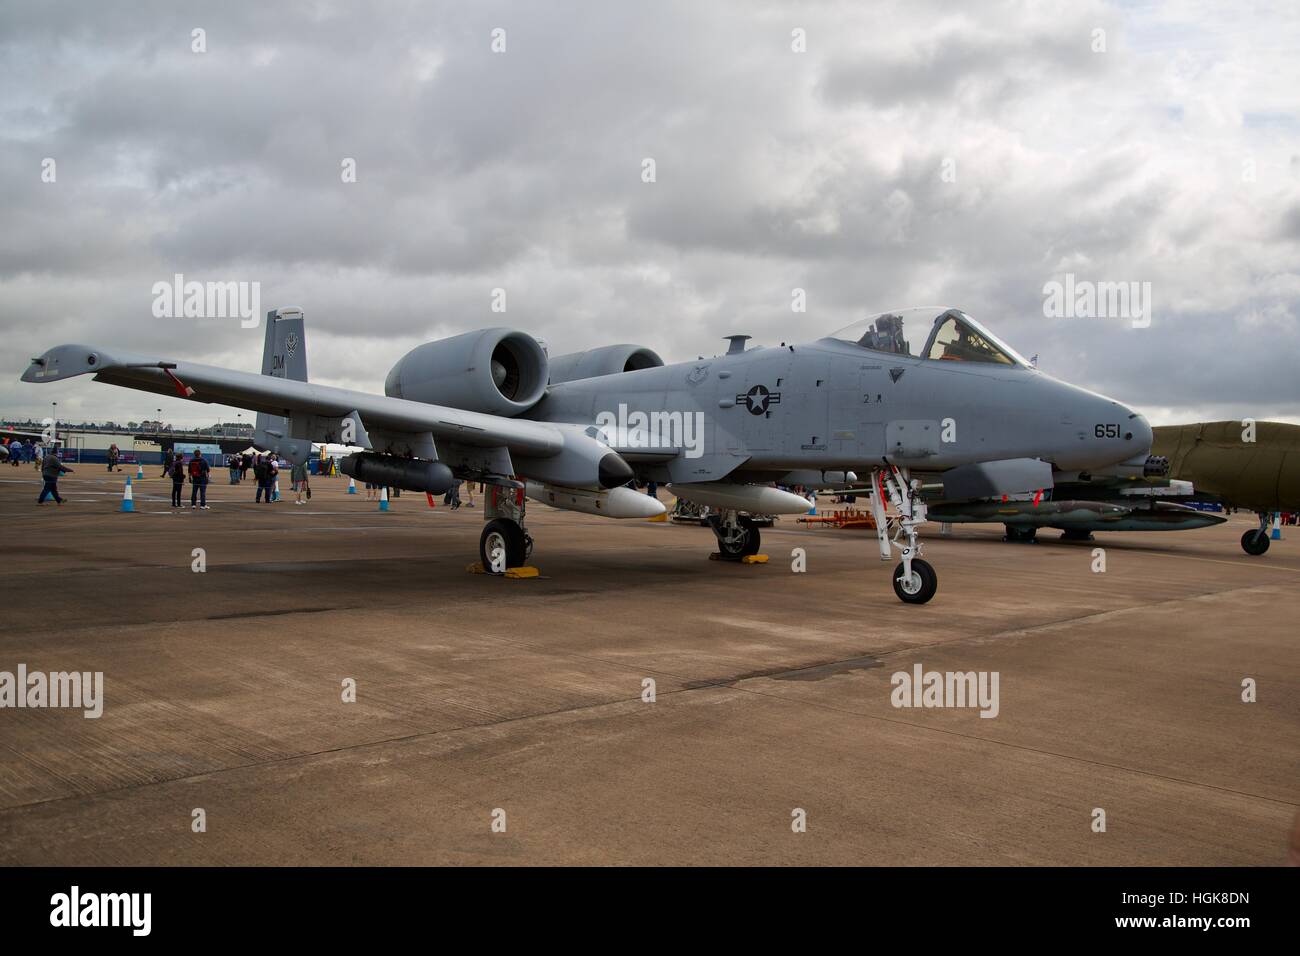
(962, 413)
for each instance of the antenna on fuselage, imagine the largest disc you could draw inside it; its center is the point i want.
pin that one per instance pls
(737, 343)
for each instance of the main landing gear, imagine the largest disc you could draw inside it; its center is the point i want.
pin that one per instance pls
(1255, 542)
(736, 533)
(504, 543)
(915, 580)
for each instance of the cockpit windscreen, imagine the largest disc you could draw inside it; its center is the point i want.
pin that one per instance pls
(951, 336)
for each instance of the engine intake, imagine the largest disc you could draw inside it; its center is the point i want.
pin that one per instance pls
(495, 371)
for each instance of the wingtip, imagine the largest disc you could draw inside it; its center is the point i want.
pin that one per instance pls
(65, 361)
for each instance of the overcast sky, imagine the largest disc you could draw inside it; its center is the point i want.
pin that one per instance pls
(955, 154)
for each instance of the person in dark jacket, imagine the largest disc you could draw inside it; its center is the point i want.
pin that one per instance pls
(262, 472)
(176, 472)
(199, 469)
(51, 469)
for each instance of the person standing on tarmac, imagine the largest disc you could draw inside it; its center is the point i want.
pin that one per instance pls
(262, 473)
(113, 455)
(51, 469)
(199, 469)
(300, 486)
(175, 470)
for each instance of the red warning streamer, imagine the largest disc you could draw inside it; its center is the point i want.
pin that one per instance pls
(181, 388)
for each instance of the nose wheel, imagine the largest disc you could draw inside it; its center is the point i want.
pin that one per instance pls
(918, 585)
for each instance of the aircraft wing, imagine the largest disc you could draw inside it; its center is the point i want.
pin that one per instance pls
(319, 405)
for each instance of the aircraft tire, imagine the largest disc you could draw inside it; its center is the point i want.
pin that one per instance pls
(501, 533)
(921, 589)
(1254, 542)
(746, 545)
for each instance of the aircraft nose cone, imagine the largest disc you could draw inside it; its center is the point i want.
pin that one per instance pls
(1140, 429)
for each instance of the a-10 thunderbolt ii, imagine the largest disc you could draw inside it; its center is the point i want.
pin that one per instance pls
(914, 398)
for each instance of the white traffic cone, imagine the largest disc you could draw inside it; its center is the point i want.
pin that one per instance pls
(139, 469)
(383, 499)
(128, 502)
(352, 486)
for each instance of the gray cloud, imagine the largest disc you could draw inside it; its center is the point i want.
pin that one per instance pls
(821, 170)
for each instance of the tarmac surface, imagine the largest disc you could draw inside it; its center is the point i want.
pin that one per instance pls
(480, 698)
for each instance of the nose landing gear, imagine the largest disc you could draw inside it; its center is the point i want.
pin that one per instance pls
(915, 580)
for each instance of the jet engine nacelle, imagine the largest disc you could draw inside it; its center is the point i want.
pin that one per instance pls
(609, 360)
(583, 462)
(494, 371)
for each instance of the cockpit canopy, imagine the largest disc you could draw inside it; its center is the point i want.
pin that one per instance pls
(953, 337)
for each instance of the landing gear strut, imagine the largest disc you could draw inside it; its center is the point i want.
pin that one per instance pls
(915, 581)
(1256, 542)
(504, 543)
(736, 533)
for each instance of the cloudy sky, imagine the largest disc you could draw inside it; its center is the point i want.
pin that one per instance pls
(910, 154)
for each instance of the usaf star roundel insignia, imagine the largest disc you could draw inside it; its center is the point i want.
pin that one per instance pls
(758, 399)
